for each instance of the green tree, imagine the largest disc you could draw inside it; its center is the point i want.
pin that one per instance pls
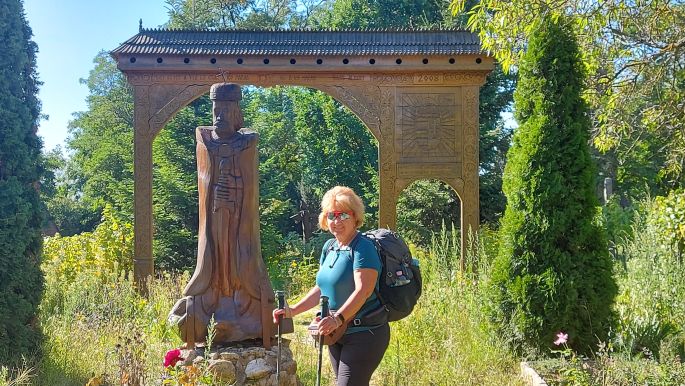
(553, 272)
(64, 210)
(301, 131)
(101, 139)
(198, 14)
(21, 281)
(383, 14)
(175, 195)
(634, 55)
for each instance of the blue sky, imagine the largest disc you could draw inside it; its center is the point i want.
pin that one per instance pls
(69, 34)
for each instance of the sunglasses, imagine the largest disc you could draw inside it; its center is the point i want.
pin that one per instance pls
(342, 216)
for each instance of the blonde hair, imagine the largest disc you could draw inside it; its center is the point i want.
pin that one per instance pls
(342, 198)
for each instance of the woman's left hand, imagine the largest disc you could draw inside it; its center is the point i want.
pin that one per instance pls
(328, 324)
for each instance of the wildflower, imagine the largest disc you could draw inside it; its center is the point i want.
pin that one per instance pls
(172, 357)
(561, 338)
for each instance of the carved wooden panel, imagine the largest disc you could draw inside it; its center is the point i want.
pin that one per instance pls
(470, 170)
(428, 125)
(360, 99)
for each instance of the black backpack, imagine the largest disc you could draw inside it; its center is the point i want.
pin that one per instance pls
(400, 281)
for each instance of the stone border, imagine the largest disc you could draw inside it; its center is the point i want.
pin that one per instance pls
(531, 376)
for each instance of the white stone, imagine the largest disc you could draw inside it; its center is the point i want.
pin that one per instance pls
(258, 369)
(223, 370)
(230, 356)
(531, 376)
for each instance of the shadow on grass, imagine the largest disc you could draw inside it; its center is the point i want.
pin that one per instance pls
(50, 373)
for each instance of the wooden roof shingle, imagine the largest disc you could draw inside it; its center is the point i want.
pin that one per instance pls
(301, 42)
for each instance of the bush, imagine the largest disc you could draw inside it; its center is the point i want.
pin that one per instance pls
(107, 249)
(668, 216)
(553, 271)
(651, 302)
(91, 313)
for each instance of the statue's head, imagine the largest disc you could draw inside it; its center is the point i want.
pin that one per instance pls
(226, 108)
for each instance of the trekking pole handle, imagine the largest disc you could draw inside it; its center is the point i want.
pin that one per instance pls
(325, 310)
(280, 295)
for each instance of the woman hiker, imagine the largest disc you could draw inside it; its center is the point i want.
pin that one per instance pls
(348, 273)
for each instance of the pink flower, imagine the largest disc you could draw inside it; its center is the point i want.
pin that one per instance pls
(172, 357)
(561, 338)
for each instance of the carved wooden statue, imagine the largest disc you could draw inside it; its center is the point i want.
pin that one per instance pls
(230, 280)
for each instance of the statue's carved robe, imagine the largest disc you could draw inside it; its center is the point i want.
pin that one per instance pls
(230, 278)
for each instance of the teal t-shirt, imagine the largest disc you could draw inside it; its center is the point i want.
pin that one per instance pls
(336, 273)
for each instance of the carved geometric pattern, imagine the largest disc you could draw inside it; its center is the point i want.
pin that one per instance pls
(359, 99)
(428, 126)
(470, 214)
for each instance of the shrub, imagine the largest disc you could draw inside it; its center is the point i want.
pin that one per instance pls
(90, 299)
(651, 301)
(553, 271)
(668, 216)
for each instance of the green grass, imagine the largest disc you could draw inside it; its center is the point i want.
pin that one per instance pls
(96, 325)
(90, 322)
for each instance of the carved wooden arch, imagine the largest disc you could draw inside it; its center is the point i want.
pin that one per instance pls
(456, 184)
(426, 125)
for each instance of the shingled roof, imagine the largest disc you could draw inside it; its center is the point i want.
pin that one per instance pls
(301, 42)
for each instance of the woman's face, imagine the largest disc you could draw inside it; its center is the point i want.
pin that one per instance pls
(341, 223)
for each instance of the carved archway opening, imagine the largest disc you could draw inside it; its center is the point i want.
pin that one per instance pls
(310, 212)
(430, 210)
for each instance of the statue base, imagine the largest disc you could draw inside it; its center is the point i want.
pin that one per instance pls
(247, 365)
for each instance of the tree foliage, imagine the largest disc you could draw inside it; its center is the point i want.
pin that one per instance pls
(21, 281)
(495, 98)
(634, 53)
(384, 14)
(308, 141)
(101, 139)
(553, 272)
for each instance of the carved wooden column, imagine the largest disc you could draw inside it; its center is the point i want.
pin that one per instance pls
(387, 161)
(470, 214)
(143, 263)
(156, 99)
(434, 136)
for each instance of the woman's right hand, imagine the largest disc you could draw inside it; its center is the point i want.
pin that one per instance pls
(285, 312)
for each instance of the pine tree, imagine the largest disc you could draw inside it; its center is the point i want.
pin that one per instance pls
(20, 208)
(554, 272)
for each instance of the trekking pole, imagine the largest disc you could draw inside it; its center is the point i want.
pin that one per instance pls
(281, 304)
(324, 312)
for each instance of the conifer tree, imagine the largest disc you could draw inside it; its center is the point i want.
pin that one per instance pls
(20, 209)
(553, 272)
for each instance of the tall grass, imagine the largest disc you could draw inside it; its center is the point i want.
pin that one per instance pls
(651, 301)
(94, 316)
(96, 323)
(647, 346)
(447, 340)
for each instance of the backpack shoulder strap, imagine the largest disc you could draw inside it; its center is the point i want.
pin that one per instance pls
(328, 246)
